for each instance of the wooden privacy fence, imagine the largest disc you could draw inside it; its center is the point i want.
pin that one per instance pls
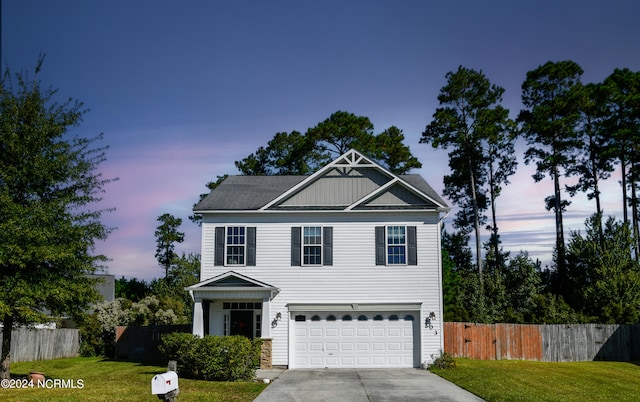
(43, 344)
(552, 343)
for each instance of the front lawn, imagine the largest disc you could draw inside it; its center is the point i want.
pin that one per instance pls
(106, 380)
(515, 380)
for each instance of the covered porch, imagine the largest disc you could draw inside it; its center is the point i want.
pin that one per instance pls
(232, 304)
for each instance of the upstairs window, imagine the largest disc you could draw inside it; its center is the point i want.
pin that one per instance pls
(235, 245)
(396, 245)
(312, 245)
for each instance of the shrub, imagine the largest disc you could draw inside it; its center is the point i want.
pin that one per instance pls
(445, 361)
(92, 339)
(213, 358)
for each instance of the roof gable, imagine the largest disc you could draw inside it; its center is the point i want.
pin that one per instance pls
(230, 280)
(350, 182)
(354, 182)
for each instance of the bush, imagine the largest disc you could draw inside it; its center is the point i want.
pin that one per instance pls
(92, 338)
(444, 362)
(213, 358)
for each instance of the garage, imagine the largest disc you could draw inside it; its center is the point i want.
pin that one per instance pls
(351, 339)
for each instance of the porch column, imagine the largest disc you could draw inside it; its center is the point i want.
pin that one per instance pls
(198, 318)
(266, 318)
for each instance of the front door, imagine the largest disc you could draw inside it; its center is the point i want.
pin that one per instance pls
(242, 323)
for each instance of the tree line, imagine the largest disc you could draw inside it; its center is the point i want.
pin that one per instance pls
(573, 130)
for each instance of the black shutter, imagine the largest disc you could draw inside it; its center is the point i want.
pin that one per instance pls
(296, 246)
(219, 250)
(327, 238)
(251, 246)
(412, 246)
(380, 245)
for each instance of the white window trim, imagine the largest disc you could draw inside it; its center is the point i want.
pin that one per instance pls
(302, 246)
(227, 245)
(386, 246)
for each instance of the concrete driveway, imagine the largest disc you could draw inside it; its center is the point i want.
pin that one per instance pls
(350, 385)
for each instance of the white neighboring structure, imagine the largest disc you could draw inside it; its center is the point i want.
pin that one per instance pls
(340, 269)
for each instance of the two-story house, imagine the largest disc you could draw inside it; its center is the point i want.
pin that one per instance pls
(341, 268)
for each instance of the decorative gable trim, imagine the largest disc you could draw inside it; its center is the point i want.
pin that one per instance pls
(231, 281)
(352, 159)
(374, 194)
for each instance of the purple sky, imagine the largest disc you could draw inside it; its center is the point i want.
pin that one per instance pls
(183, 89)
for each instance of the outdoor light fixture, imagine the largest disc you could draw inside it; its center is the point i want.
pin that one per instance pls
(278, 316)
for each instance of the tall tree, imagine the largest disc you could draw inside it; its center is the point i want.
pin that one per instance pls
(471, 124)
(297, 154)
(285, 154)
(49, 185)
(185, 271)
(595, 160)
(167, 235)
(622, 122)
(389, 149)
(549, 122)
(341, 132)
(498, 143)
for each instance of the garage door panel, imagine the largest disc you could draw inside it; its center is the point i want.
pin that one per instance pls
(382, 340)
(331, 346)
(394, 346)
(348, 361)
(365, 332)
(347, 346)
(316, 346)
(317, 332)
(331, 332)
(394, 332)
(347, 332)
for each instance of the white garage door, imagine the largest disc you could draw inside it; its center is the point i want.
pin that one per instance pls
(354, 339)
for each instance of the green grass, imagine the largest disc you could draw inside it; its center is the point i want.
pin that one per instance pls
(106, 380)
(514, 380)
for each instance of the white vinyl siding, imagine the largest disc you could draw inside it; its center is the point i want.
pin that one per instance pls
(354, 276)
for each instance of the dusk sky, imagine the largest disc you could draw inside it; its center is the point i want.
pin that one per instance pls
(182, 89)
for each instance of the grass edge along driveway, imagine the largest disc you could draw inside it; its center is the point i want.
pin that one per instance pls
(517, 380)
(107, 380)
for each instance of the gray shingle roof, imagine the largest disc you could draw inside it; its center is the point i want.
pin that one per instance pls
(421, 184)
(245, 193)
(242, 193)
